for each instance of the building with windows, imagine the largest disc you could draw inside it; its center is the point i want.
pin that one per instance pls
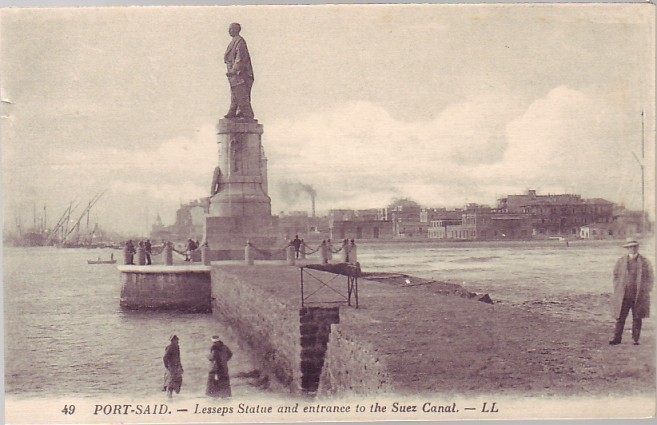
(484, 223)
(558, 215)
(359, 224)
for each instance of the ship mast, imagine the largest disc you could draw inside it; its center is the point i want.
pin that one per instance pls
(643, 184)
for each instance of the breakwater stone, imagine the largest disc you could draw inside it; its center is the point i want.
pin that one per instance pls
(179, 288)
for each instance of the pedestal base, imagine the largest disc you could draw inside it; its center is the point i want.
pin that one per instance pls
(227, 237)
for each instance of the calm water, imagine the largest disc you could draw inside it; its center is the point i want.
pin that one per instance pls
(573, 281)
(66, 335)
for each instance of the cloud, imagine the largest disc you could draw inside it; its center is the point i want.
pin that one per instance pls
(359, 156)
(572, 141)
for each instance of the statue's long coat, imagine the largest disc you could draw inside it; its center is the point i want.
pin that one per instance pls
(238, 60)
(644, 286)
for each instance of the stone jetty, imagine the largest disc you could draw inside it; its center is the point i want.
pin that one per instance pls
(156, 287)
(422, 337)
(407, 336)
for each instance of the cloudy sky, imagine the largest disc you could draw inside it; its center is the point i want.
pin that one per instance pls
(443, 104)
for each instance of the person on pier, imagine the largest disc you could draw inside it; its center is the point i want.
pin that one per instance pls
(633, 281)
(130, 252)
(297, 246)
(148, 247)
(218, 378)
(173, 374)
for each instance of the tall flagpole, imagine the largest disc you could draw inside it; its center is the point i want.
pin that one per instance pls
(643, 187)
(640, 162)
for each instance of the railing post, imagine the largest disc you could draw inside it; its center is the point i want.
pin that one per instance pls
(323, 256)
(205, 254)
(329, 251)
(290, 255)
(168, 254)
(248, 254)
(141, 255)
(302, 250)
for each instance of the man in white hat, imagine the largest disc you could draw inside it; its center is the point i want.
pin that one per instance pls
(633, 280)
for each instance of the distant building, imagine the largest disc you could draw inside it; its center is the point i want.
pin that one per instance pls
(483, 223)
(292, 224)
(361, 229)
(359, 224)
(406, 221)
(190, 219)
(625, 223)
(562, 214)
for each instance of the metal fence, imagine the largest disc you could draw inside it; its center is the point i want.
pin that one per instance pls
(316, 288)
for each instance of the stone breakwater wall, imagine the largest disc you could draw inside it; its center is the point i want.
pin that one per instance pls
(269, 325)
(315, 328)
(179, 288)
(352, 365)
(328, 349)
(262, 304)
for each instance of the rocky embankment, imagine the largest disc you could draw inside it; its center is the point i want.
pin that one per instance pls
(405, 280)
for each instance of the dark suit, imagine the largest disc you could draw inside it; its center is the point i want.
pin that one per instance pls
(240, 78)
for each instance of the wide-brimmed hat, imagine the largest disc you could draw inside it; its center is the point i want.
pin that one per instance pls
(172, 337)
(630, 242)
(215, 339)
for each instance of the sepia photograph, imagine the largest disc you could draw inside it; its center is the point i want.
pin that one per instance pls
(328, 213)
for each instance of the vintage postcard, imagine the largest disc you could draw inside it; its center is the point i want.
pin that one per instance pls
(328, 213)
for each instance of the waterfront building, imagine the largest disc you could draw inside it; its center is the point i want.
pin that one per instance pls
(359, 224)
(625, 223)
(299, 223)
(439, 219)
(406, 221)
(558, 214)
(479, 222)
(361, 229)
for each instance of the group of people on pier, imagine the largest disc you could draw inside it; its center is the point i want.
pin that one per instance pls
(144, 248)
(144, 251)
(218, 382)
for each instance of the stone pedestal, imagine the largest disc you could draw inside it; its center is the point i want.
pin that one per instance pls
(240, 210)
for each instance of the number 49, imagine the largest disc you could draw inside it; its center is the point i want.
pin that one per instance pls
(68, 410)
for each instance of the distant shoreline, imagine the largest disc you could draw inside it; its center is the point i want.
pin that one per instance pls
(489, 243)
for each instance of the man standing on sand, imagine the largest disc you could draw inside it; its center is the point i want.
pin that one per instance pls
(633, 280)
(240, 75)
